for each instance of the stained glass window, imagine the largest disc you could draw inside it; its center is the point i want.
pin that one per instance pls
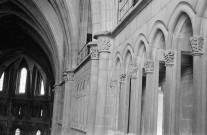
(17, 131)
(1, 82)
(23, 78)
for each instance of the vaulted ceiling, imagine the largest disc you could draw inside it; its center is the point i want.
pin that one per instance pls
(18, 37)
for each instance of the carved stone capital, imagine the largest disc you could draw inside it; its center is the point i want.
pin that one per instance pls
(122, 78)
(149, 66)
(68, 76)
(104, 41)
(93, 50)
(197, 44)
(113, 83)
(133, 73)
(169, 56)
(104, 44)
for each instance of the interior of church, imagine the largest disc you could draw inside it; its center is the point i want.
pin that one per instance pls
(103, 67)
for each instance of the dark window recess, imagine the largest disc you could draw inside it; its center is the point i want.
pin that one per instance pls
(89, 38)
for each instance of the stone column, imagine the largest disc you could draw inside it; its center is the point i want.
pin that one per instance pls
(134, 100)
(114, 103)
(93, 88)
(55, 109)
(170, 94)
(199, 111)
(68, 79)
(121, 103)
(104, 45)
(149, 69)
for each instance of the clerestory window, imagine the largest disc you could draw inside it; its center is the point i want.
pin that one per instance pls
(17, 131)
(2, 82)
(22, 81)
(38, 132)
(42, 90)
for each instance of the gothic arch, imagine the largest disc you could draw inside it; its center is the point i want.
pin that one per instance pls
(116, 58)
(158, 26)
(158, 46)
(182, 8)
(141, 39)
(44, 21)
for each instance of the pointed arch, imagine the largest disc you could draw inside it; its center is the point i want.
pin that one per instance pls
(141, 40)
(182, 7)
(158, 26)
(128, 49)
(117, 58)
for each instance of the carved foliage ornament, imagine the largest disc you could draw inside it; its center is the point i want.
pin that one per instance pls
(68, 76)
(113, 83)
(169, 56)
(104, 44)
(197, 44)
(133, 73)
(149, 66)
(122, 78)
(94, 52)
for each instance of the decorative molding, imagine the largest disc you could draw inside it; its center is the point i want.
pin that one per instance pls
(104, 44)
(68, 76)
(197, 44)
(113, 83)
(169, 56)
(101, 33)
(149, 66)
(133, 73)
(94, 52)
(122, 78)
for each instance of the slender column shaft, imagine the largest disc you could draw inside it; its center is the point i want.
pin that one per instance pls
(67, 102)
(93, 89)
(55, 110)
(104, 44)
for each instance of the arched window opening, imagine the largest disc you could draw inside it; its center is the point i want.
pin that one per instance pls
(38, 132)
(17, 131)
(42, 90)
(2, 82)
(20, 110)
(41, 112)
(23, 79)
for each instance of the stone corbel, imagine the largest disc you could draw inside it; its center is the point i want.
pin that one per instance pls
(149, 66)
(93, 50)
(68, 76)
(169, 56)
(104, 41)
(133, 73)
(197, 45)
(122, 78)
